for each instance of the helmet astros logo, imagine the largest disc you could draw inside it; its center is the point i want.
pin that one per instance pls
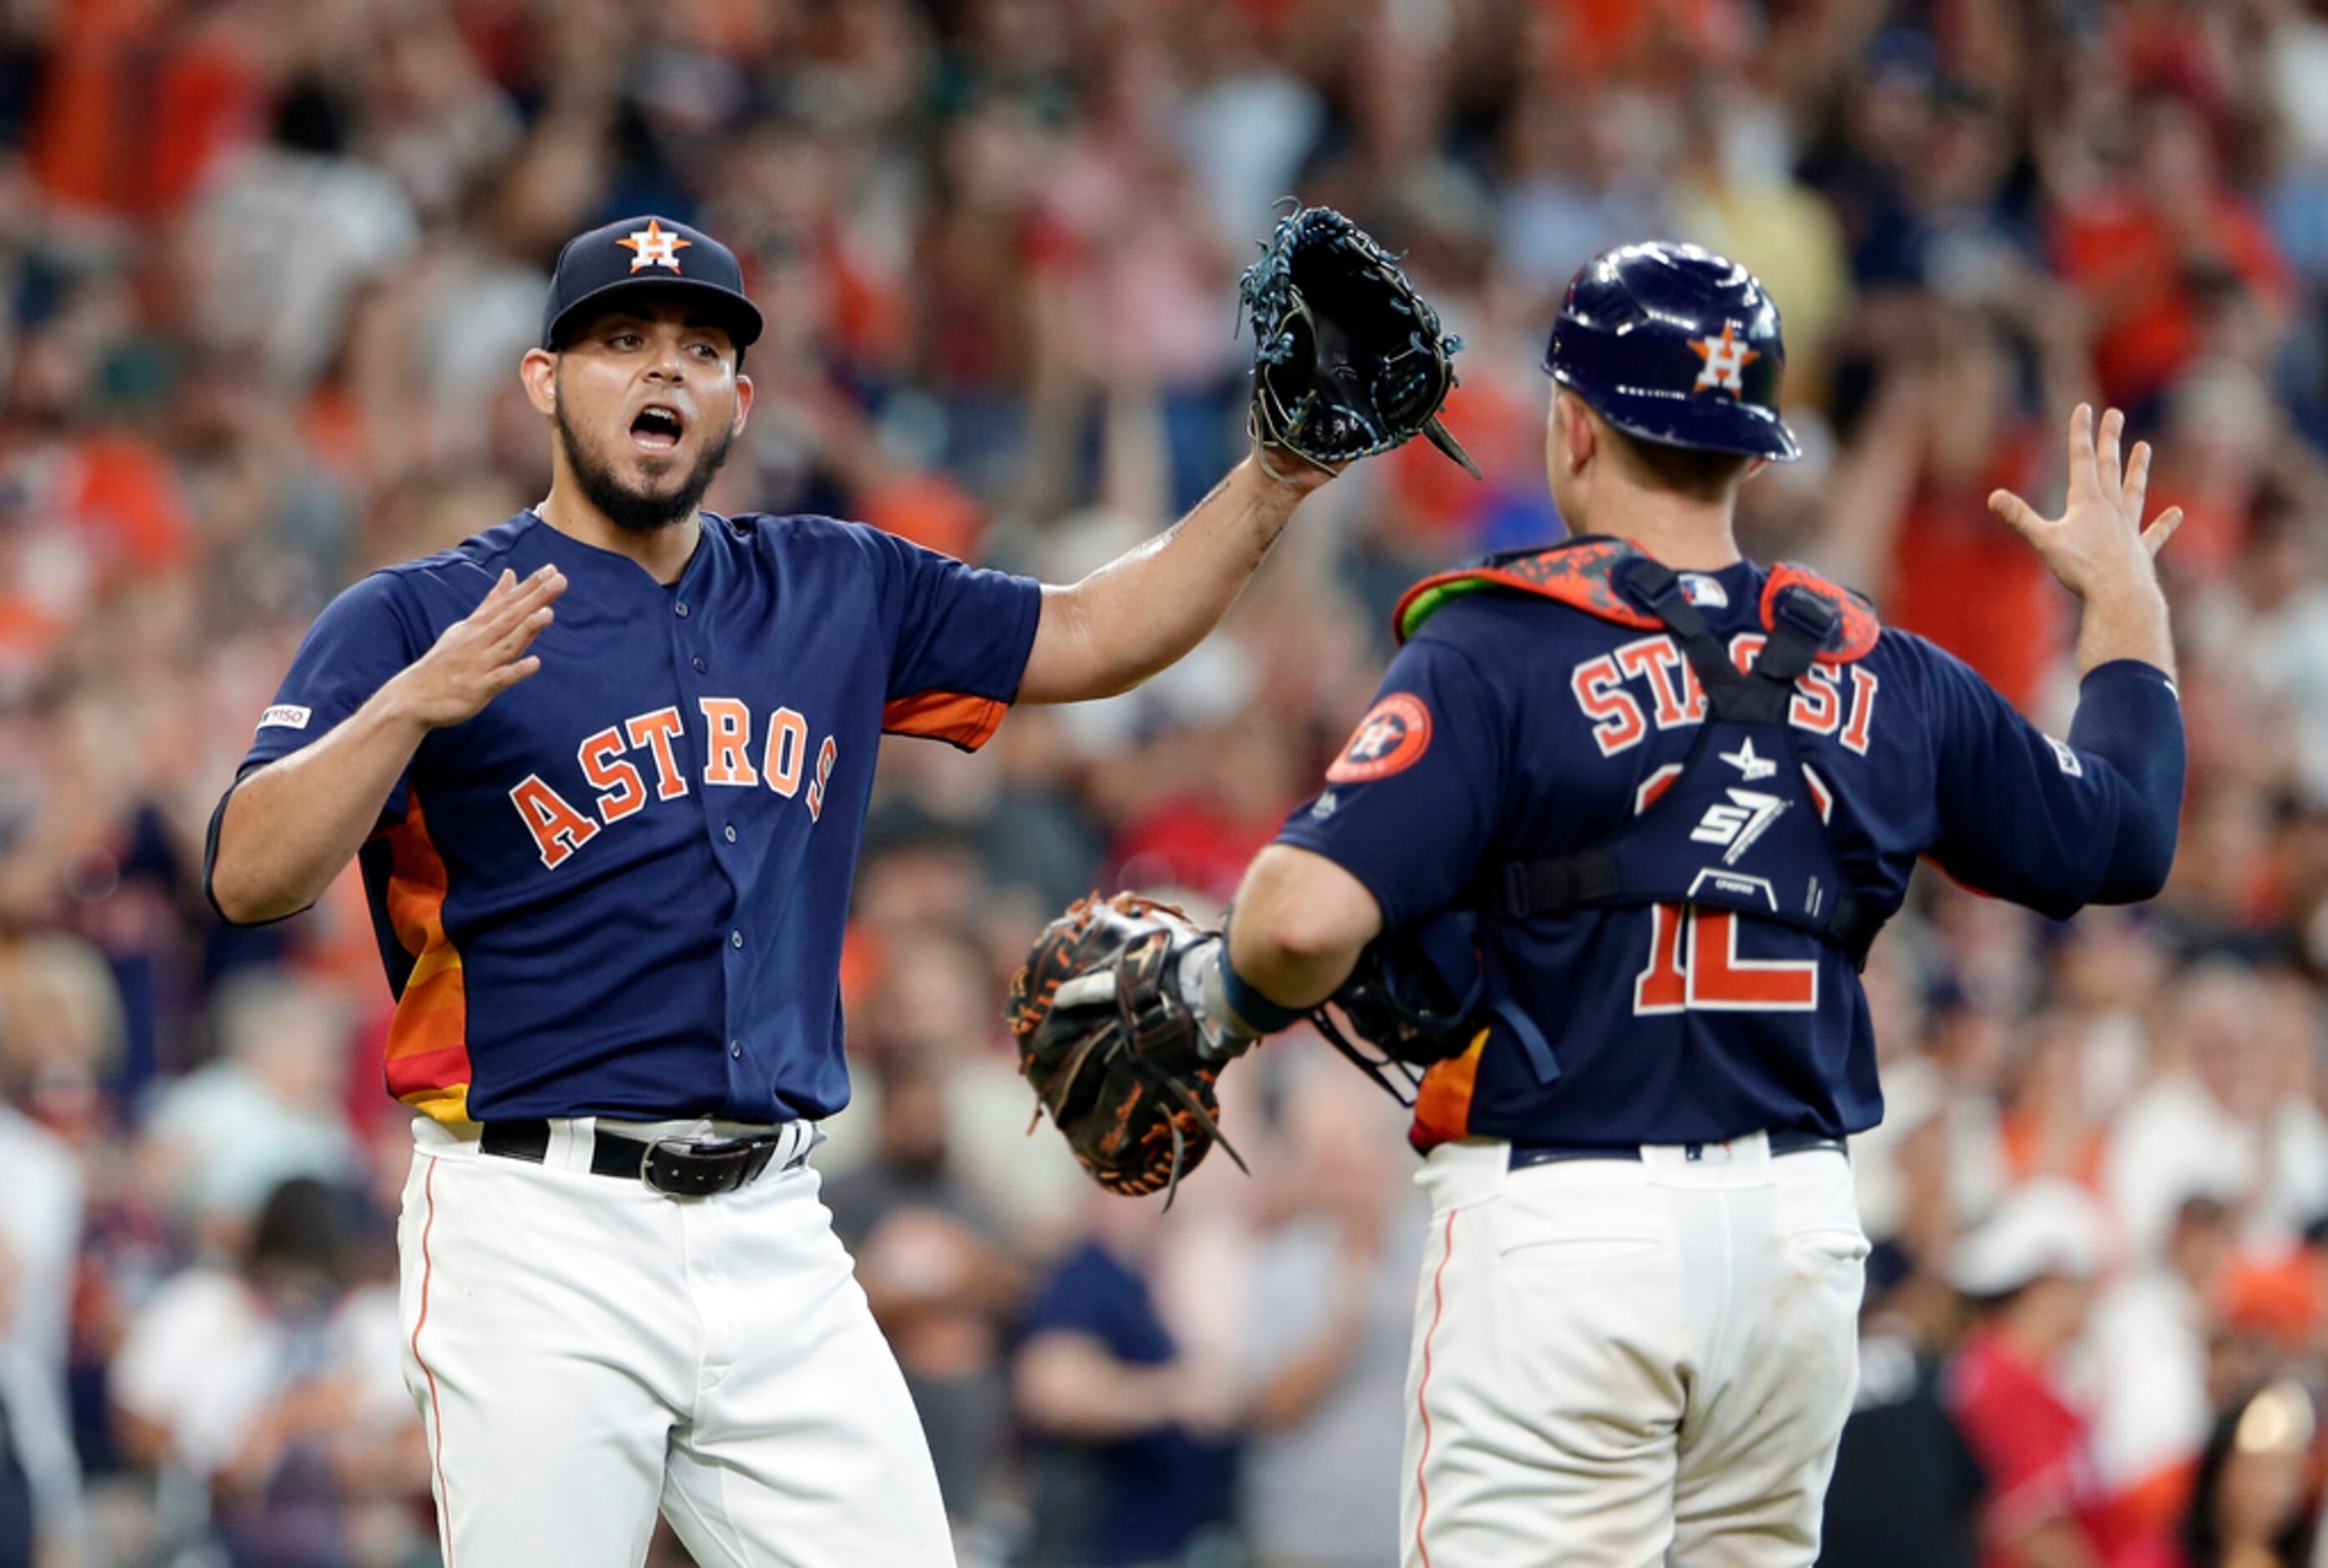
(1726, 360)
(1391, 739)
(653, 245)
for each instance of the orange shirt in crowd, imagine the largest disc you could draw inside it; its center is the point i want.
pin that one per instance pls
(1595, 36)
(1504, 436)
(1967, 582)
(136, 106)
(2124, 259)
(112, 501)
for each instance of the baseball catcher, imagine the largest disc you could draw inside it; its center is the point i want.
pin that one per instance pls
(1604, 860)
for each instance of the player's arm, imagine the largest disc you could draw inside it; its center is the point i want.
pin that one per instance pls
(1301, 922)
(2052, 1543)
(1410, 807)
(288, 828)
(1143, 611)
(2095, 821)
(1068, 1383)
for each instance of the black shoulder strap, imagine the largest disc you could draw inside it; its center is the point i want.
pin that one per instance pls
(1804, 623)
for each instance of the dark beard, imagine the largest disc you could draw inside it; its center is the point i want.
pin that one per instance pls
(630, 509)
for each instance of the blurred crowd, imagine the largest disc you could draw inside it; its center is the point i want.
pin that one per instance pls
(266, 267)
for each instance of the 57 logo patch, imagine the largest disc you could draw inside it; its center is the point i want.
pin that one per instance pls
(1738, 825)
(1391, 739)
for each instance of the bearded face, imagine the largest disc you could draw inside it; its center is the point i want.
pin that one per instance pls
(646, 410)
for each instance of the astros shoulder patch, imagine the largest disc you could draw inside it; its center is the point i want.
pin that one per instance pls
(1391, 739)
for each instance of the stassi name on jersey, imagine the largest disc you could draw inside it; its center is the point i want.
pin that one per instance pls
(617, 761)
(1649, 683)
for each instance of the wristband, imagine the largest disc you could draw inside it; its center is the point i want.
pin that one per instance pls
(1254, 1011)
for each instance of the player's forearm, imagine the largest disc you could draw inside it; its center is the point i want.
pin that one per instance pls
(2129, 717)
(2125, 621)
(294, 825)
(2054, 1544)
(1303, 1385)
(1300, 924)
(1142, 612)
(1069, 1386)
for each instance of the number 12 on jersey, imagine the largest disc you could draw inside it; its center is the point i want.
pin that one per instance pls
(1694, 963)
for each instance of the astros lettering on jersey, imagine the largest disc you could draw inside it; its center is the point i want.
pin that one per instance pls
(526, 870)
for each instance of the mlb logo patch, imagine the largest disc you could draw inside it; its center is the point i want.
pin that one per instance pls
(1703, 591)
(286, 716)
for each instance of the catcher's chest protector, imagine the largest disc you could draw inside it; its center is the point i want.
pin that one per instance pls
(1741, 823)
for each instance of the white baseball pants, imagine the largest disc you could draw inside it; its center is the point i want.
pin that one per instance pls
(585, 1351)
(1622, 1363)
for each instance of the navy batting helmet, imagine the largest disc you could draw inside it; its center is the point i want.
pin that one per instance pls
(1673, 343)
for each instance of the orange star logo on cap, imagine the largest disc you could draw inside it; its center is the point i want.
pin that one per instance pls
(653, 245)
(1726, 360)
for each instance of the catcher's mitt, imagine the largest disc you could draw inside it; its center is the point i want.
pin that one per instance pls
(1110, 1046)
(1348, 358)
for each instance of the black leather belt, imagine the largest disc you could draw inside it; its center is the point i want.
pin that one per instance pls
(1524, 1154)
(682, 1170)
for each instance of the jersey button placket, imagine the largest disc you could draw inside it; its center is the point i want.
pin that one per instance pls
(691, 660)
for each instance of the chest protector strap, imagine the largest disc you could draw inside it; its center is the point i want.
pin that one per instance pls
(1739, 828)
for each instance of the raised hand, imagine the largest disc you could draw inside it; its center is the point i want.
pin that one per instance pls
(483, 655)
(2099, 544)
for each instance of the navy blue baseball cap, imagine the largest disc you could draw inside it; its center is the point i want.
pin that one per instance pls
(597, 268)
(1673, 343)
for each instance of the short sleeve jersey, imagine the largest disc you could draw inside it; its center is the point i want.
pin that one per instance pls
(1516, 728)
(621, 889)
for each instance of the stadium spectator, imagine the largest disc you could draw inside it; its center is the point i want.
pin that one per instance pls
(1132, 1464)
(2029, 1269)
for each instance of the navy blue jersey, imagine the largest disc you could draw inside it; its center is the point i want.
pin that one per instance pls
(621, 889)
(1512, 728)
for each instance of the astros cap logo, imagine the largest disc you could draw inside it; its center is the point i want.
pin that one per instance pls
(653, 245)
(1726, 360)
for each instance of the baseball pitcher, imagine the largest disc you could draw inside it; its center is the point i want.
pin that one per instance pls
(604, 766)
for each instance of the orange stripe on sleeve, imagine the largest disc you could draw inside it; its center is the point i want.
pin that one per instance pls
(427, 1054)
(969, 722)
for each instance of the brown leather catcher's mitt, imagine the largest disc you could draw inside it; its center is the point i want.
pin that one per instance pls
(1110, 1046)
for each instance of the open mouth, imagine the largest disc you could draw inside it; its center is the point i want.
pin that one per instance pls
(658, 429)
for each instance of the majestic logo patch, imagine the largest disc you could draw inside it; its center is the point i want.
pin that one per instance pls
(653, 245)
(286, 716)
(1391, 739)
(1726, 360)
